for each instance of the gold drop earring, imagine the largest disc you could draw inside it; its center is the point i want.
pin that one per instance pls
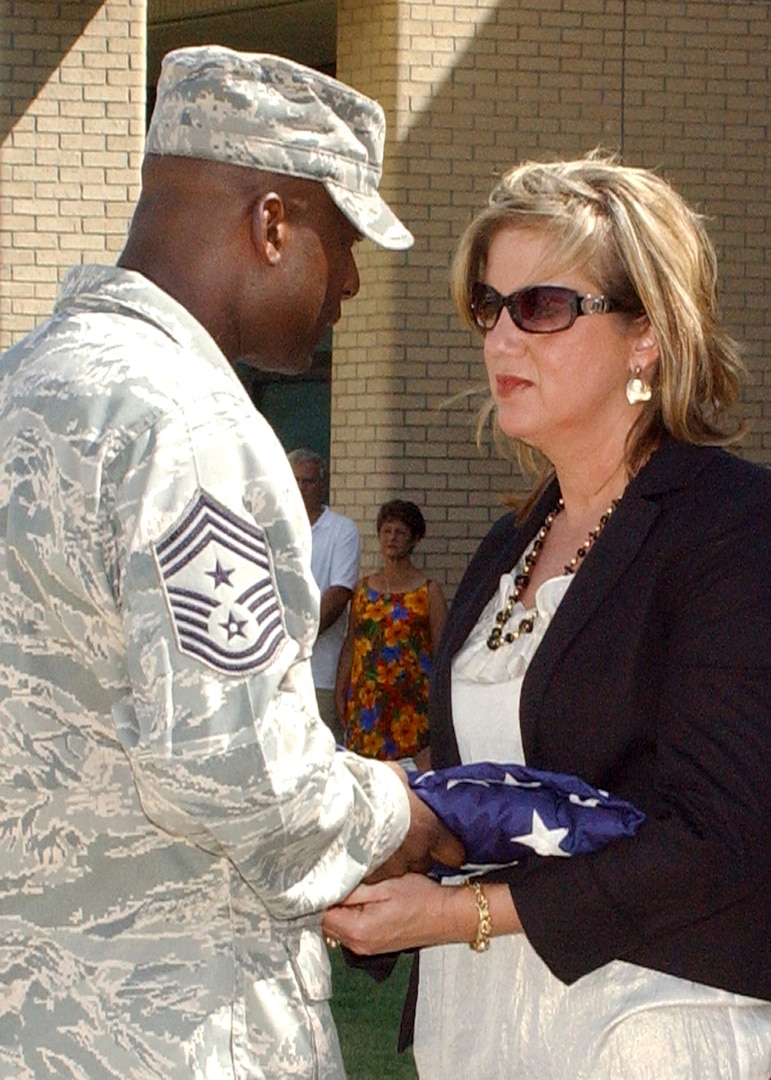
(638, 389)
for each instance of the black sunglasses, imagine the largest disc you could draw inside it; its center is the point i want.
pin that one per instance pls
(539, 309)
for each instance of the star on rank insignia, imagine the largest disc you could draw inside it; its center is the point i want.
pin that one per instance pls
(217, 575)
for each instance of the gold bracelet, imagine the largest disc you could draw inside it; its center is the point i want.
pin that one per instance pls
(485, 926)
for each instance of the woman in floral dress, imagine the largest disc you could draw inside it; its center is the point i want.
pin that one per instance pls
(396, 618)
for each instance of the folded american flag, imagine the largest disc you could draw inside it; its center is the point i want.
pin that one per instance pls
(502, 813)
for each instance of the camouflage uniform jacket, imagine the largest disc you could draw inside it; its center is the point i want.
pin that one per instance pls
(173, 813)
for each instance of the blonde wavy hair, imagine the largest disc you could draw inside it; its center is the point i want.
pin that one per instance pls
(649, 252)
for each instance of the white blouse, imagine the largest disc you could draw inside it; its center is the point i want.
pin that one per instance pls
(501, 1014)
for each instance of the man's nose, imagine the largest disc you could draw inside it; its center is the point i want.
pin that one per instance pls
(352, 282)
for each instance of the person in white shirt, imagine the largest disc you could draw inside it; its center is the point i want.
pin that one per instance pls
(335, 558)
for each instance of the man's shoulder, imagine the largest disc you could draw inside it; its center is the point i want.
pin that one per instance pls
(331, 521)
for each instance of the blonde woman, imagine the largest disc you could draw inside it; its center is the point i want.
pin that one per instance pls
(615, 626)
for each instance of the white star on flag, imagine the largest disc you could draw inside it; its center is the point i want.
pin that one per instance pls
(506, 812)
(543, 840)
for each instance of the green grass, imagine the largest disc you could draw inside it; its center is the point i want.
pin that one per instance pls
(367, 1016)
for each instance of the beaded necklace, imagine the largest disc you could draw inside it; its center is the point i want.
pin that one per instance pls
(497, 636)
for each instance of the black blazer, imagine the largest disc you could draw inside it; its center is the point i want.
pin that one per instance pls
(653, 681)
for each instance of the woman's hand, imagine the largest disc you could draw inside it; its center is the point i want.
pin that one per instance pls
(413, 911)
(400, 913)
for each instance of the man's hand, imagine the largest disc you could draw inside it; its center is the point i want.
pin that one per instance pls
(427, 841)
(332, 606)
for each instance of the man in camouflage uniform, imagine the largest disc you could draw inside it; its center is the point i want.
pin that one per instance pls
(173, 814)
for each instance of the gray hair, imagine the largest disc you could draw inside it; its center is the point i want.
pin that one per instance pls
(304, 453)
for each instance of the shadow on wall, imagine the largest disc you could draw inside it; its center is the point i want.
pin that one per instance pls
(30, 76)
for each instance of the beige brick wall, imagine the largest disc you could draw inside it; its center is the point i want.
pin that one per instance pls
(469, 88)
(72, 91)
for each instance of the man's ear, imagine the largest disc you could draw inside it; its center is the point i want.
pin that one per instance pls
(269, 225)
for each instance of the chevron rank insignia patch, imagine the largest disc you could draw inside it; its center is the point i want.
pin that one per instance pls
(217, 575)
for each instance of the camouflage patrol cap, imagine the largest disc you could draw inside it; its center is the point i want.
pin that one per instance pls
(267, 112)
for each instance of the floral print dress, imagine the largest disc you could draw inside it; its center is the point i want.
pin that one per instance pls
(387, 703)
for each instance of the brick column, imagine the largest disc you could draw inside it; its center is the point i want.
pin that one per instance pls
(73, 92)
